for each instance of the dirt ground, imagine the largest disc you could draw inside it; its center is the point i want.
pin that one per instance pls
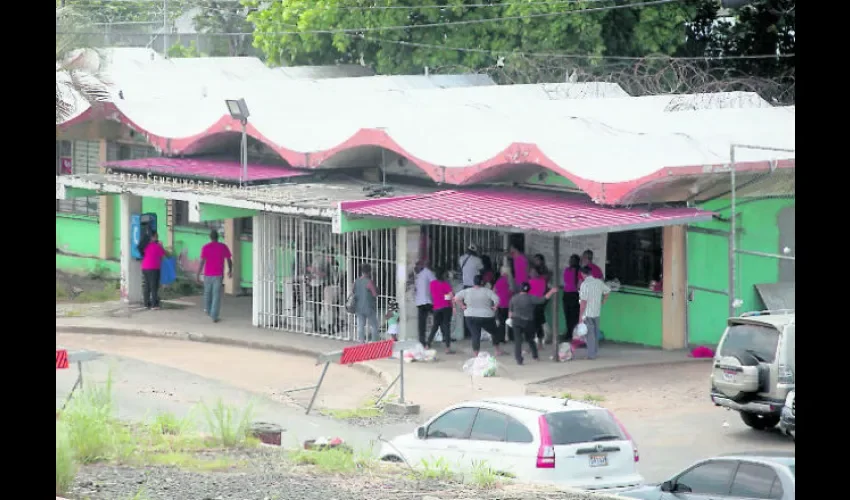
(672, 388)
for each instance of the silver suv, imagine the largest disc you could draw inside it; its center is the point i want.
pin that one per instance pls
(753, 369)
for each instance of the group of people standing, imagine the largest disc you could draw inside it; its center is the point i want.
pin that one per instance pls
(510, 304)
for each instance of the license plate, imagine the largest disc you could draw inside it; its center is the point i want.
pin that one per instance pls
(598, 460)
(728, 376)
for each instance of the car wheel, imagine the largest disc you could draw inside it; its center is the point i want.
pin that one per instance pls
(759, 422)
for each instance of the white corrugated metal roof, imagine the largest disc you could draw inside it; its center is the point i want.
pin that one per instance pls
(610, 139)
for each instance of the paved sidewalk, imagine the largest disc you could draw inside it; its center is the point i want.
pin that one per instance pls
(429, 384)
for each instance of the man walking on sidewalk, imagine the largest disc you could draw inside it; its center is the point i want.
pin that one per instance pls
(592, 295)
(213, 255)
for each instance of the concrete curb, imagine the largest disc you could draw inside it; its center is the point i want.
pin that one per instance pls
(366, 368)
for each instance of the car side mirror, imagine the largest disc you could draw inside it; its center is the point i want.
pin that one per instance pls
(420, 433)
(668, 487)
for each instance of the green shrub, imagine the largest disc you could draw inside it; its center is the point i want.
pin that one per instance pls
(66, 467)
(228, 425)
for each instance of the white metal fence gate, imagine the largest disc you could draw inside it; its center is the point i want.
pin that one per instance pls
(306, 273)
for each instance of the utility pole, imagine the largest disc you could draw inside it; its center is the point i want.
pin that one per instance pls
(165, 28)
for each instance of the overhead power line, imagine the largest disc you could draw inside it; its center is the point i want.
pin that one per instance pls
(430, 25)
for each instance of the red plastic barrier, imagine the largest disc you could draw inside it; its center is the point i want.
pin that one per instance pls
(61, 359)
(366, 352)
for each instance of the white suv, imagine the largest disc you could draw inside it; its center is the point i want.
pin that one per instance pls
(530, 438)
(754, 366)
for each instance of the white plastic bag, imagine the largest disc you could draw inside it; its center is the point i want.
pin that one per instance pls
(565, 351)
(580, 331)
(417, 353)
(484, 365)
(486, 336)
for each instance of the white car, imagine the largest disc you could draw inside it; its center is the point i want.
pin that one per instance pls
(530, 438)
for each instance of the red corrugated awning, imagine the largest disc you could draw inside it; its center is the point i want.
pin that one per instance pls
(521, 210)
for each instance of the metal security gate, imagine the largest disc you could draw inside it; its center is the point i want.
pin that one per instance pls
(306, 273)
(444, 245)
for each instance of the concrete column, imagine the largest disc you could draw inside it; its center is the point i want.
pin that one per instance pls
(131, 269)
(105, 218)
(407, 253)
(674, 303)
(257, 269)
(232, 230)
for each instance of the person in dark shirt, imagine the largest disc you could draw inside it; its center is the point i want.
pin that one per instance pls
(521, 314)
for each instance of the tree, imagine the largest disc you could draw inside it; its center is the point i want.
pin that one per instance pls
(224, 17)
(406, 49)
(78, 79)
(105, 12)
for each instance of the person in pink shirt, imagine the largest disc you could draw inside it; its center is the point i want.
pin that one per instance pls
(441, 296)
(587, 261)
(572, 282)
(537, 288)
(520, 266)
(504, 290)
(152, 255)
(213, 255)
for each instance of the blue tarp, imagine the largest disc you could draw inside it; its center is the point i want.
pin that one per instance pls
(168, 271)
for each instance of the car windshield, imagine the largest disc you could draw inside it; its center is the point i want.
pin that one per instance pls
(756, 339)
(583, 426)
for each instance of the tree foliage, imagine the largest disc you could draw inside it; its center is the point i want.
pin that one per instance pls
(126, 11)
(224, 17)
(285, 31)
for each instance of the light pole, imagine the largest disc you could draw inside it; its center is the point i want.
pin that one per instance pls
(239, 111)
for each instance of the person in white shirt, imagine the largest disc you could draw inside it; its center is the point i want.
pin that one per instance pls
(592, 294)
(471, 266)
(422, 292)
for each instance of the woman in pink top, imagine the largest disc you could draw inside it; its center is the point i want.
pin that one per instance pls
(503, 288)
(520, 261)
(152, 255)
(441, 296)
(572, 282)
(537, 287)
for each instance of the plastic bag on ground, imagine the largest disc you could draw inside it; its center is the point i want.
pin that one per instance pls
(484, 365)
(417, 353)
(565, 351)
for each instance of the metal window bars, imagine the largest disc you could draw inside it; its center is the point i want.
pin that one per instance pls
(307, 274)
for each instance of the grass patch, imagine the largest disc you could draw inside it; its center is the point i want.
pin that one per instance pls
(109, 292)
(66, 467)
(93, 432)
(369, 409)
(188, 461)
(587, 398)
(438, 469)
(332, 460)
(229, 426)
(593, 398)
(180, 288)
(482, 476)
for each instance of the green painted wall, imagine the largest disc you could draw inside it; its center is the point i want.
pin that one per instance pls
(246, 267)
(83, 265)
(708, 264)
(78, 234)
(633, 317)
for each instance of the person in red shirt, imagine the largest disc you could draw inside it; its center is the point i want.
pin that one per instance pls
(152, 255)
(213, 255)
(587, 261)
